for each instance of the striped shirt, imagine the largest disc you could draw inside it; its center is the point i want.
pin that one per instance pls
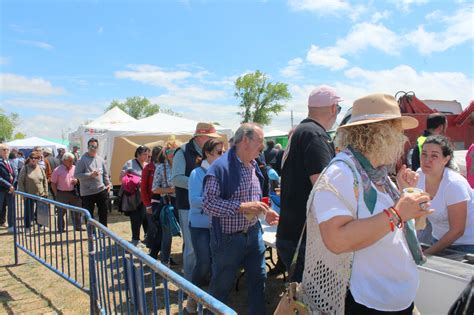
(231, 220)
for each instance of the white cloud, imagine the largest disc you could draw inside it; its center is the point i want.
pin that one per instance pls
(55, 106)
(328, 57)
(457, 30)
(12, 83)
(361, 37)
(426, 85)
(292, 70)
(153, 75)
(46, 125)
(321, 6)
(38, 44)
(364, 35)
(378, 16)
(405, 5)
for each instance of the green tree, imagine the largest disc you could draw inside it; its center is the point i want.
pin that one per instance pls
(7, 125)
(139, 107)
(259, 99)
(19, 135)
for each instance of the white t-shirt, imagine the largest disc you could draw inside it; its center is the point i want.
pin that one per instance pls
(453, 189)
(384, 275)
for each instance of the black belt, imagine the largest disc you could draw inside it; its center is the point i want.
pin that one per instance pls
(65, 191)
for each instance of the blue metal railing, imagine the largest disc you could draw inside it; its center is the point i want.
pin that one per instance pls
(36, 233)
(118, 277)
(125, 273)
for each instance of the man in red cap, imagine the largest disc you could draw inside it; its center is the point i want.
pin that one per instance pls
(309, 150)
(184, 162)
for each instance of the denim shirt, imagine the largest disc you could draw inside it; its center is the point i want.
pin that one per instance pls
(197, 218)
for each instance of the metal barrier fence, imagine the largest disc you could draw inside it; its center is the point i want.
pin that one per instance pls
(118, 277)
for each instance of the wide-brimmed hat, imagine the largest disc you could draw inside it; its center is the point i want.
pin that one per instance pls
(206, 129)
(48, 151)
(378, 107)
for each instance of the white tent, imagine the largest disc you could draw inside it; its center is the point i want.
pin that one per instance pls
(98, 128)
(158, 124)
(30, 143)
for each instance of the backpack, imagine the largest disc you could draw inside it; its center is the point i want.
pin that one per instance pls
(168, 220)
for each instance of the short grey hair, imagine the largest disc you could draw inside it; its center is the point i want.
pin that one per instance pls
(245, 130)
(67, 156)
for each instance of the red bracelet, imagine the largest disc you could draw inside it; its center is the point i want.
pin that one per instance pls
(392, 225)
(400, 223)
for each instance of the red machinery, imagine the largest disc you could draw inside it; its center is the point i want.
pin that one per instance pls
(460, 126)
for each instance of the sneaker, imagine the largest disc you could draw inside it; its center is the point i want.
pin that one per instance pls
(191, 305)
(4, 225)
(138, 244)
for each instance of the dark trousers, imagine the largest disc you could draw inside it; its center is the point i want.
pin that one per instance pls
(30, 206)
(137, 219)
(354, 308)
(159, 238)
(286, 250)
(69, 198)
(7, 200)
(99, 199)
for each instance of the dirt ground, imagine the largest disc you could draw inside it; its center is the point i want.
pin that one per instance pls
(30, 288)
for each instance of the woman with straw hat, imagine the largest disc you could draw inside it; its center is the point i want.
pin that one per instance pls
(361, 247)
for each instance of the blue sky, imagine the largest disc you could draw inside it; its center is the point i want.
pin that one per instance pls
(63, 62)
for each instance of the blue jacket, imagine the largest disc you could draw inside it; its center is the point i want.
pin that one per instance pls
(226, 170)
(5, 175)
(197, 218)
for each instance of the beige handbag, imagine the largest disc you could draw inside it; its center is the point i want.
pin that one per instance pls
(289, 303)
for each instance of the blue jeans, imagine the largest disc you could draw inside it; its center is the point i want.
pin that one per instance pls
(4, 195)
(189, 260)
(201, 244)
(286, 250)
(230, 253)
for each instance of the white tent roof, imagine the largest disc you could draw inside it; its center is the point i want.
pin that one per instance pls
(275, 133)
(30, 143)
(111, 118)
(157, 124)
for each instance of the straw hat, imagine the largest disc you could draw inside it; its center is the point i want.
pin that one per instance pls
(206, 129)
(378, 107)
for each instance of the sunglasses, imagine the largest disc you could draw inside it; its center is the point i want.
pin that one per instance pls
(34, 158)
(220, 152)
(338, 108)
(93, 147)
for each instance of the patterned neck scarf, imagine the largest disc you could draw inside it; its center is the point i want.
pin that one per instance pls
(379, 176)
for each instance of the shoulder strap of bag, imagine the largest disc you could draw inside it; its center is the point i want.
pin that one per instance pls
(334, 190)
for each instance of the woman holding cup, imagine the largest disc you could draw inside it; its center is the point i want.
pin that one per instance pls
(361, 246)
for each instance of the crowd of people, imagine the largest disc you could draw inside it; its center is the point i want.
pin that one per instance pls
(342, 218)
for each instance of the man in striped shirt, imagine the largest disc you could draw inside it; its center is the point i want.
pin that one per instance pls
(232, 199)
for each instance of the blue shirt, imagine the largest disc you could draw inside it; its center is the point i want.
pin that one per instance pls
(197, 217)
